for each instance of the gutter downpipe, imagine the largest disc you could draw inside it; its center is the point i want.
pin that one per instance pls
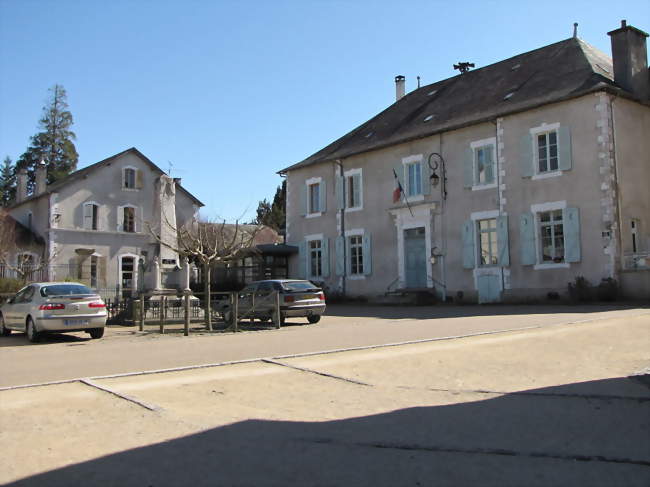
(497, 165)
(339, 163)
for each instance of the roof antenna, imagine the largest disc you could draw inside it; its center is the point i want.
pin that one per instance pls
(575, 30)
(463, 67)
(169, 172)
(418, 81)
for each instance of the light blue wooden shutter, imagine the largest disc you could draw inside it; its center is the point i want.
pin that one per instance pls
(469, 259)
(340, 194)
(120, 218)
(340, 261)
(468, 169)
(527, 236)
(325, 256)
(322, 194)
(526, 159)
(426, 181)
(502, 241)
(571, 217)
(489, 164)
(304, 199)
(357, 189)
(367, 255)
(302, 260)
(564, 136)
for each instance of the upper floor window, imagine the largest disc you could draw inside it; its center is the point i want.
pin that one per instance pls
(129, 178)
(547, 155)
(413, 178)
(634, 227)
(90, 216)
(353, 189)
(314, 198)
(126, 219)
(480, 165)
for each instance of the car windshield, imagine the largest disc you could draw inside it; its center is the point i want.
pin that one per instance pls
(299, 286)
(64, 289)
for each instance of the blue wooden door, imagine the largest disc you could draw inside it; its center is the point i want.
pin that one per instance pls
(489, 288)
(415, 258)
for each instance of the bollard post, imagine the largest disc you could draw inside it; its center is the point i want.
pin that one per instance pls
(162, 313)
(277, 310)
(186, 332)
(235, 307)
(252, 311)
(142, 312)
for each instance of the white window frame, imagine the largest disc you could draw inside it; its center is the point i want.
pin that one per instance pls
(310, 182)
(494, 251)
(308, 240)
(135, 178)
(536, 210)
(355, 232)
(83, 215)
(349, 174)
(410, 161)
(475, 146)
(136, 264)
(545, 128)
(35, 257)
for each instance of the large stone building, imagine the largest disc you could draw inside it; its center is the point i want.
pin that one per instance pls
(95, 224)
(502, 183)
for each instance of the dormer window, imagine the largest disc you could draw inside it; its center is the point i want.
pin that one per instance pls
(131, 178)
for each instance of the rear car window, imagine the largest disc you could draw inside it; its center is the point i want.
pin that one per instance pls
(64, 290)
(299, 286)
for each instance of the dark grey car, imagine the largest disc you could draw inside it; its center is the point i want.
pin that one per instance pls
(298, 298)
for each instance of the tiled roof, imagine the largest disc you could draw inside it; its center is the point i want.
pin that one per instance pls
(557, 72)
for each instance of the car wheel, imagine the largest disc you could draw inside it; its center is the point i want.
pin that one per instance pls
(313, 319)
(5, 331)
(264, 319)
(32, 334)
(96, 333)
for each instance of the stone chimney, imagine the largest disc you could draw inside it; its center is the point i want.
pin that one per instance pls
(630, 56)
(41, 178)
(21, 185)
(400, 87)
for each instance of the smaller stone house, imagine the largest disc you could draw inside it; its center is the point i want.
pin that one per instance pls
(95, 223)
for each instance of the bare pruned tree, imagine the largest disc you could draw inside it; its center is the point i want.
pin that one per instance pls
(22, 252)
(208, 243)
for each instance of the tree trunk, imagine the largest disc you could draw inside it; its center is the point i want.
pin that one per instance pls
(206, 295)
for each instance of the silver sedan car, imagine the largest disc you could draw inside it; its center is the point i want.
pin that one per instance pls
(53, 307)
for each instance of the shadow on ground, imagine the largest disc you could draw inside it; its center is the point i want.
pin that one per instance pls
(454, 311)
(586, 434)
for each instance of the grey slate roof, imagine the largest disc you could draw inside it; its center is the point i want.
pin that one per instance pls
(81, 173)
(560, 71)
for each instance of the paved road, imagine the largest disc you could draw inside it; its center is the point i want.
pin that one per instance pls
(125, 350)
(546, 406)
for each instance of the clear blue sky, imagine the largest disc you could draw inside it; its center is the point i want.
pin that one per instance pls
(231, 92)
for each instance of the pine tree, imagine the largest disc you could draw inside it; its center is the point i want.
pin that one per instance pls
(273, 214)
(7, 182)
(54, 143)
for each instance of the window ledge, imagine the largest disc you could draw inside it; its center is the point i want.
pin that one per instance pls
(356, 277)
(415, 197)
(541, 267)
(546, 175)
(355, 208)
(313, 215)
(129, 189)
(479, 187)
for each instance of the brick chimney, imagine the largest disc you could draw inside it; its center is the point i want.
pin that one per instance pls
(41, 178)
(400, 87)
(21, 185)
(630, 56)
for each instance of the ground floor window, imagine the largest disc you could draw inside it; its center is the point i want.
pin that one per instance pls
(488, 242)
(128, 275)
(315, 258)
(356, 255)
(551, 230)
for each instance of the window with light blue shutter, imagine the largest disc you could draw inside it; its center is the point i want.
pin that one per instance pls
(564, 135)
(356, 190)
(502, 241)
(367, 255)
(528, 252)
(323, 197)
(325, 257)
(304, 199)
(468, 168)
(489, 164)
(340, 193)
(469, 250)
(526, 160)
(571, 218)
(302, 260)
(340, 257)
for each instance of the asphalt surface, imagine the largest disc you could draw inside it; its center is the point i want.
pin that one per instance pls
(564, 400)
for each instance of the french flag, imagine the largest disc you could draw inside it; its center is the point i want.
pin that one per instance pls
(397, 192)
